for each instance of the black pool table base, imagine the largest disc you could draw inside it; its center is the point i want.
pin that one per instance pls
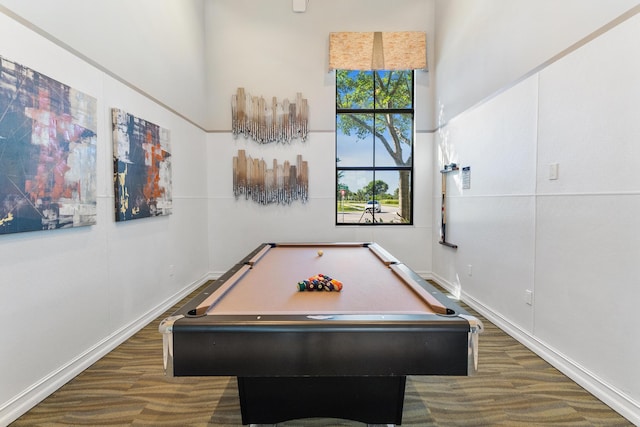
(369, 399)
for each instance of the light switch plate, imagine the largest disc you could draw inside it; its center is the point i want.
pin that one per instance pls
(299, 6)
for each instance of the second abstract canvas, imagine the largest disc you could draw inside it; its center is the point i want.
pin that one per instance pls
(142, 167)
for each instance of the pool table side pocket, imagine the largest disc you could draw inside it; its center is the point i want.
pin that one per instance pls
(383, 255)
(405, 274)
(208, 303)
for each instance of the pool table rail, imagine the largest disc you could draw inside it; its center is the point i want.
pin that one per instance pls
(359, 353)
(199, 342)
(285, 346)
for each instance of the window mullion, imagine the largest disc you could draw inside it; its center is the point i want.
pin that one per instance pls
(378, 164)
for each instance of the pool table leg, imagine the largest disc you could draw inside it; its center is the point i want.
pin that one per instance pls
(371, 400)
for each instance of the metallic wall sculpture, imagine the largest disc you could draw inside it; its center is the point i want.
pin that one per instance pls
(265, 123)
(282, 184)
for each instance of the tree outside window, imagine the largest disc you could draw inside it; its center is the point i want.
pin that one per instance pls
(374, 147)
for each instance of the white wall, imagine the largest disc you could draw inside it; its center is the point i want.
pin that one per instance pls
(483, 45)
(594, 205)
(562, 239)
(572, 241)
(271, 51)
(237, 226)
(68, 296)
(492, 222)
(156, 46)
(87, 285)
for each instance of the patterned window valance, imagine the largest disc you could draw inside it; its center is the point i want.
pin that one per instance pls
(400, 50)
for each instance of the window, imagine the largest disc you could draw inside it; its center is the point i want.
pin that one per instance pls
(374, 147)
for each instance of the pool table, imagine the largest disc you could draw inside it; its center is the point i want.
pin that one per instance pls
(330, 353)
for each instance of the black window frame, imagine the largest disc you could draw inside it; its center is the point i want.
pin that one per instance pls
(373, 111)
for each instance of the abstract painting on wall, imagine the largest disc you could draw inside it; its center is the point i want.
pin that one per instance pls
(48, 136)
(142, 167)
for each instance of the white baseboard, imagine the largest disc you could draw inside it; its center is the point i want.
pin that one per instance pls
(614, 398)
(33, 395)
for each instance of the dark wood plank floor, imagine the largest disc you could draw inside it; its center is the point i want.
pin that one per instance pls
(514, 387)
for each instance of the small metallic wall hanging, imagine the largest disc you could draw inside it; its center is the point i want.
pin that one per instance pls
(277, 122)
(282, 184)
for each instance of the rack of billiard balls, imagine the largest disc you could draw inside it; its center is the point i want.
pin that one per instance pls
(320, 282)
